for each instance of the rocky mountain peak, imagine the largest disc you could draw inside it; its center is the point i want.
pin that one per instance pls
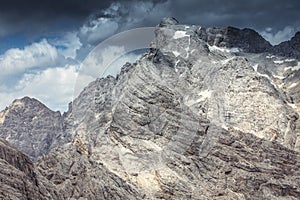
(179, 39)
(168, 21)
(246, 40)
(206, 113)
(289, 48)
(32, 127)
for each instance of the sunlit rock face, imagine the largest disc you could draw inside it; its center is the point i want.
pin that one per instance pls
(206, 113)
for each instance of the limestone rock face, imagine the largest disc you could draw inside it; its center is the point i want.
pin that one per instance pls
(32, 127)
(19, 179)
(246, 39)
(58, 176)
(189, 106)
(206, 113)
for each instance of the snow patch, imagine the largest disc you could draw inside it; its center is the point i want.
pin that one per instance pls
(293, 85)
(180, 34)
(97, 116)
(234, 50)
(255, 67)
(188, 48)
(203, 95)
(8, 137)
(215, 48)
(295, 68)
(265, 75)
(177, 61)
(176, 53)
(279, 77)
(289, 60)
(231, 50)
(227, 60)
(271, 56)
(292, 105)
(278, 61)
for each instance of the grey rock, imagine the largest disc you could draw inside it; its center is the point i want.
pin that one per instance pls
(62, 175)
(168, 21)
(289, 48)
(246, 39)
(32, 127)
(191, 119)
(76, 176)
(19, 180)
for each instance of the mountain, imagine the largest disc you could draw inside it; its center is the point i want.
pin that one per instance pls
(22, 179)
(19, 180)
(32, 127)
(289, 48)
(206, 113)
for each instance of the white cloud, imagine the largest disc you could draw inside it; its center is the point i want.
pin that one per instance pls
(16, 61)
(44, 70)
(97, 30)
(283, 35)
(122, 16)
(67, 45)
(52, 86)
(99, 60)
(102, 62)
(57, 86)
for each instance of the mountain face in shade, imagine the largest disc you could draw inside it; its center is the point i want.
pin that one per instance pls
(206, 113)
(247, 40)
(289, 48)
(32, 127)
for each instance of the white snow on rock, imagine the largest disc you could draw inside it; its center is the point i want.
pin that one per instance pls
(176, 53)
(278, 61)
(292, 105)
(295, 68)
(272, 56)
(180, 34)
(255, 67)
(203, 95)
(279, 77)
(215, 48)
(231, 50)
(234, 50)
(293, 85)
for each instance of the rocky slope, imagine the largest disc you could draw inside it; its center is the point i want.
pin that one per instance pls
(19, 179)
(207, 113)
(32, 127)
(68, 176)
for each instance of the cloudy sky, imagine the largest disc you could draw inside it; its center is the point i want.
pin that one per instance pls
(44, 42)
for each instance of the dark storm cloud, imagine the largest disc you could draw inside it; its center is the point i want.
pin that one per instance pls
(47, 16)
(36, 16)
(31, 15)
(257, 14)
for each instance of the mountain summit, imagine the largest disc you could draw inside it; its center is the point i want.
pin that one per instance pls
(206, 113)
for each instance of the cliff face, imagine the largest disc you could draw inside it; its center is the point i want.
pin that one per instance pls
(32, 127)
(206, 113)
(19, 180)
